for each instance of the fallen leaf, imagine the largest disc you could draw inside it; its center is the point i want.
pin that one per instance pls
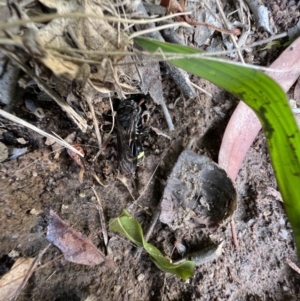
(75, 156)
(10, 282)
(75, 247)
(91, 33)
(57, 148)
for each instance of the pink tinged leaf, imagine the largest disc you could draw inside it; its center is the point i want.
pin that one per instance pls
(75, 247)
(75, 156)
(243, 125)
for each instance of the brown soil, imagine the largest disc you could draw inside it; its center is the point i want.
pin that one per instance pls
(36, 182)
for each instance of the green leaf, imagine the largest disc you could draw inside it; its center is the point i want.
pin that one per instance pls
(268, 101)
(130, 227)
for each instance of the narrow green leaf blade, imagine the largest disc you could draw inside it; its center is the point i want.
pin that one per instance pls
(130, 227)
(268, 101)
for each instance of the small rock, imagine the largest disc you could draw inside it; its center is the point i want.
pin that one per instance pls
(22, 141)
(284, 234)
(33, 211)
(64, 208)
(171, 106)
(140, 277)
(3, 152)
(13, 254)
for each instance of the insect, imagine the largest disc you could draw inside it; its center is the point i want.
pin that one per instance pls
(128, 126)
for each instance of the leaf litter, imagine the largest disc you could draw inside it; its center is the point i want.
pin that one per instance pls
(75, 247)
(112, 84)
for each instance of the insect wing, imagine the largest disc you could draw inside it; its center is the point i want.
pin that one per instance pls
(127, 162)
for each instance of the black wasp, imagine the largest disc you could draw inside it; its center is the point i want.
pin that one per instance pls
(129, 124)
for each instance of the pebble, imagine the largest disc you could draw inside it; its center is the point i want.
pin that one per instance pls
(140, 277)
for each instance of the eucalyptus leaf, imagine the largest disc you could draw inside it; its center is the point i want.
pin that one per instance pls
(128, 226)
(268, 101)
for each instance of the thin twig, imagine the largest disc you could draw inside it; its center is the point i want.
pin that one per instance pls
(102, 218)
(232, 37)
(194, 55)
(113, 117)
(157, 28)
(201, 90)
(234, 236)
(95, 121)
(292, 265)
(39, 131)
(167, 115)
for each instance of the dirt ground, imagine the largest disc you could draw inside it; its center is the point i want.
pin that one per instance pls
(36, 182)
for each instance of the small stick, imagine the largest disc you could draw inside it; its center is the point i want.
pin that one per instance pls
(102, 218)
(158, 132)
(95, 121)
(39, 131)
(230, 35)
(113, 117)
(201, 90)
(292, 265)
(161, 10)
(233, 232)
(167, 115)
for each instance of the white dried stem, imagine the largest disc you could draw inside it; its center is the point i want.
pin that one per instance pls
(39, 131)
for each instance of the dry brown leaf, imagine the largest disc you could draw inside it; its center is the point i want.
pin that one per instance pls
(148, 76)
(75, 156)
(57, 148)
(91, 33)
(75, 247)
(10, 282)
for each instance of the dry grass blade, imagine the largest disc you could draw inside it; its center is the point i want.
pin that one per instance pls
(39, 131)
(49, 17)
(102, 218)
(158, 28)
(231, 35)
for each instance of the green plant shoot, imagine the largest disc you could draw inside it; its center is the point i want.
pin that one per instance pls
(130, 227)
